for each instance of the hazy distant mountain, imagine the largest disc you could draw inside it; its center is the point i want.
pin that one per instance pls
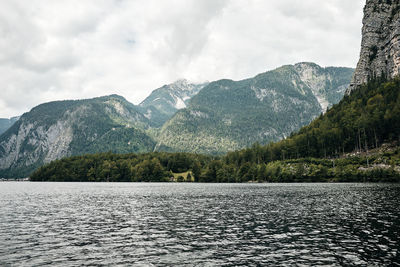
(227, 115)
(63, 128)
(163, 102)
(5, 124)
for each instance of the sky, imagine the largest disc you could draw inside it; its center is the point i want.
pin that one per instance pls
(75, 49)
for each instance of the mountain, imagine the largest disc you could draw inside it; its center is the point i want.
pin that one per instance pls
(267, 107)
(63, 128)
(227, 115)
(323, 151)
(163, 102)
(5, 124)
(356, 140)
(380, 46)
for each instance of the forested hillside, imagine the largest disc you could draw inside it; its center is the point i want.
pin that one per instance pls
(359, 124)
(361, 121)
(64, 128)
(228, 115)
(149, 167)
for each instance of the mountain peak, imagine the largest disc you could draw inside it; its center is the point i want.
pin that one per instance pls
(163, 102)
(112, 96)
(308, 66)
(181, 82)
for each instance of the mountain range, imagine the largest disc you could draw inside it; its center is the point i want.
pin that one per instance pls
(227, 115)
(208, 118)
(355, 140)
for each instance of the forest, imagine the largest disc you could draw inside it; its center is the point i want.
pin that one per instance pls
(344, 144)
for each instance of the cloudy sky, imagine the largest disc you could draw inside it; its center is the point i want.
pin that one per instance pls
(73, 49)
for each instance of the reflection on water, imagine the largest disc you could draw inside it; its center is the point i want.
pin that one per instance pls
(198, 224)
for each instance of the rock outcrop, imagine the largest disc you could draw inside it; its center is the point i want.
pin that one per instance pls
(380, 46)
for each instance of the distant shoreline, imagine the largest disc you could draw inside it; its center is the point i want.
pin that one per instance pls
(248, 182)
(27, 179)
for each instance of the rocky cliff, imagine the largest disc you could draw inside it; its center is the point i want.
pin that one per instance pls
(380, 46)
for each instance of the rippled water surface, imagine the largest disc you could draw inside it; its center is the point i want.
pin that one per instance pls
(198, 224)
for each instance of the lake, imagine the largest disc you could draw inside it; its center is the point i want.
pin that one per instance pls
(172, 224)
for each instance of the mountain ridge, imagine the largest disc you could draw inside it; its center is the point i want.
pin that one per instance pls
(64, 128)
(227, 115)
(163, 102)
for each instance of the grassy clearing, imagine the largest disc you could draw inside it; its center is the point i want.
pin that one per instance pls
(184, 175)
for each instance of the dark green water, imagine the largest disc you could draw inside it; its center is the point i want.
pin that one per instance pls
(74, 224)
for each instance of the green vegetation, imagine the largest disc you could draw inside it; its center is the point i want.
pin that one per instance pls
(110, 167)
(102, 124)
(361, 121)
(319, 152)
(225, 116)
(122, 140)
(228, 115)
(185, 167)
(373, 168)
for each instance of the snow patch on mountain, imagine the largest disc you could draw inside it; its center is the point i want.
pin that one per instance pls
(179, 104)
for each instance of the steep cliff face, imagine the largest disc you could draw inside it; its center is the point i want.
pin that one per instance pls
(327, 84)
(380, 47)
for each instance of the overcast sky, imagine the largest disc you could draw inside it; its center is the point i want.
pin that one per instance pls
(73, 49)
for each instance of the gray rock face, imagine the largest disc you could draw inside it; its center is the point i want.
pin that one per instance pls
(380, 46)
(34, 143)
(326, 84)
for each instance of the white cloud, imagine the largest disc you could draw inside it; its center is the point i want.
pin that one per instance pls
(71, 49)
